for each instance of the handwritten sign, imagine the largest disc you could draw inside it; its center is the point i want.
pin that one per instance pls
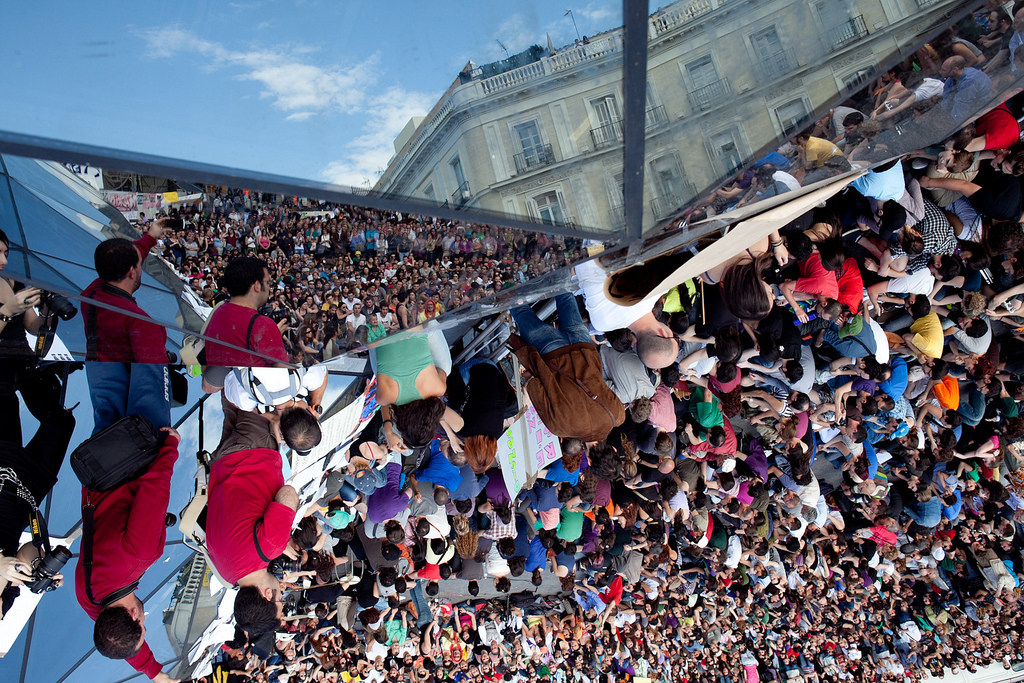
(526, 448)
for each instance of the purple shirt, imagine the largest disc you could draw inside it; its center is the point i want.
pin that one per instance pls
(388, 501)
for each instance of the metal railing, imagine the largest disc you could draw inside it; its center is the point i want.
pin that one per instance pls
(534, 158)
(655, 117)
(848, 32)
(607, 135)
(775, 66)
(462, 194)
(708, 96)
(664, 206)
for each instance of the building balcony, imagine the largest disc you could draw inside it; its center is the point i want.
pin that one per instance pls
(655, 117)
(774, 67)
(607, 135)
(461, 195)
(665, 206)
(847, 33)
(679, 14)
(926, 3)
(710, 95)
(617, 216)
(534, 158)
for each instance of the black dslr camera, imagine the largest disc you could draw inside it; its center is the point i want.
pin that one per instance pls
(44, 571)
(58, 305)
(275, 315)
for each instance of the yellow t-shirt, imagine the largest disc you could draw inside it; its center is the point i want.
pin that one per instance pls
(928, 335)
(818, 150)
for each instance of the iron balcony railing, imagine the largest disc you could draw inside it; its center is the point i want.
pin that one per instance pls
(774, 67)
(848, 32)
(708, 96)
(668, 204)
(607, 135)
(462, 194)
(534, 158)
(655, 117)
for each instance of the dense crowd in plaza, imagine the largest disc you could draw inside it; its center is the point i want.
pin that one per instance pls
(802, 465)
(339, 268)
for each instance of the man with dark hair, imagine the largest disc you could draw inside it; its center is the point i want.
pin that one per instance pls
(128, 533)
(238, 322)
(288, 399)
(131, 377)
(250, 515)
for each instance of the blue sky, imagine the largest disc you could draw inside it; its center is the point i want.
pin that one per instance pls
(312, 89)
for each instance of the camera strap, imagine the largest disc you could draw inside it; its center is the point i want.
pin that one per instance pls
(88, 529)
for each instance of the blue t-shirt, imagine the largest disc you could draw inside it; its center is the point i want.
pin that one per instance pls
(881, 186)
(537, 559)
(437, 470)
(898, 381)
(557, 473)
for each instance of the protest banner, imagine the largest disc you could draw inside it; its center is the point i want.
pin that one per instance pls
(524, 449)
(125, 202)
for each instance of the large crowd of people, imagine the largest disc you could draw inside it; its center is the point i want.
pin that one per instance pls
(338, 268)
(802, 464)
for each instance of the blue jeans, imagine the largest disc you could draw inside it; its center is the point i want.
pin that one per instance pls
(423, 614)
(544, 337)
(120, 389)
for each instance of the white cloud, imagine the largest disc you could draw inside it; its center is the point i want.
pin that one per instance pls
(371, 151)
(293, 85)
(299, 116)
(600, 18)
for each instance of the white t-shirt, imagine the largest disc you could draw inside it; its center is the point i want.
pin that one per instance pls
(238, 396)
(918, 282)
(355, 321)
(929, 87)
(604, 314)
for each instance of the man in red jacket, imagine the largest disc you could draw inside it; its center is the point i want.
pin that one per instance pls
(131, 377)
(249, 518)
(128, 538)
(238, 321)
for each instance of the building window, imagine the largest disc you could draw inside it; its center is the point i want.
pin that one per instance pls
(858, 78)
(608, 130)
(791, 116)
(549, 208)
(616, 200)
(534, 152)
(708, 88)
(654, 115)
(428, 192)
(772, 60)
(671, 186)
(461, 194)
(725, 150)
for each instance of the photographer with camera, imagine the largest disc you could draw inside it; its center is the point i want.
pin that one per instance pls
(19, 369)
(131, 377)
(238, 321)
(125, 538)
(250, 515)
(27, 473)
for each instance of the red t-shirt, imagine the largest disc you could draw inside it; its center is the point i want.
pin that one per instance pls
(999, 127)
(814, 279)
(430, 572)
(122, 338)
(128, 538)
(230, 323)
(851, 285)
(242, 489)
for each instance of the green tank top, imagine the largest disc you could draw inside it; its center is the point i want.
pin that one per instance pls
(403, 361)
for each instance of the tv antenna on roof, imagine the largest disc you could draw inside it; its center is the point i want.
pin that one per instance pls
(502, 46)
